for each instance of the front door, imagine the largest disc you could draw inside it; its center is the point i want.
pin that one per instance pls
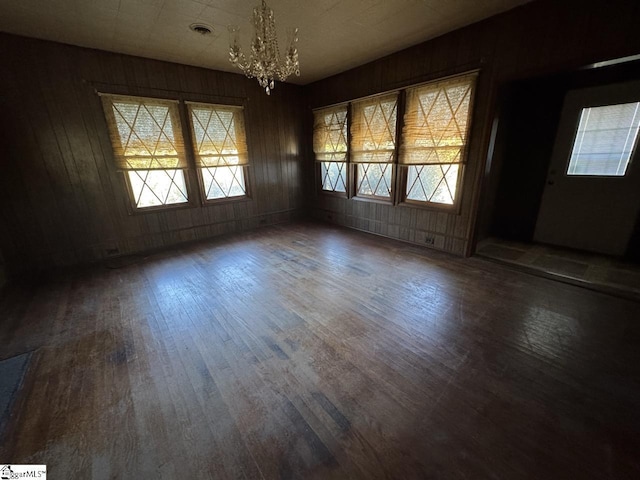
(592, 196)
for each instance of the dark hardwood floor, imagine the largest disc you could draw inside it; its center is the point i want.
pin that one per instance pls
(309, 351)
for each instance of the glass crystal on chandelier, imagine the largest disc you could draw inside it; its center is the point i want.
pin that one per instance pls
(264, 62)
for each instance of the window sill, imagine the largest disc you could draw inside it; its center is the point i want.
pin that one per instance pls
(382, 200)
(432, 206)
(333, 194)
(218, 201)
(160, 208)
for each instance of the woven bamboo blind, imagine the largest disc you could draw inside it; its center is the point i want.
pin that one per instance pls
(145, 132)
(330, 134)
(218, 135)
(373, 129)
(436, 121)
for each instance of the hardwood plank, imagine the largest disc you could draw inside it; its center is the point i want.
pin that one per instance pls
(309, 351)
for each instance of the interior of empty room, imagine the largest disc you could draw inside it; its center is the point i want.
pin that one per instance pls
(320, 239)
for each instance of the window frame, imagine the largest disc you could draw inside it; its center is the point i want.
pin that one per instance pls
(216, 201)
(204, 201)
(575, 101)
(400, 172)
(391, 199)
(456, 206)
(348, 193)
(194, 185)
(332, 193)
(124, 180)
(635, 147)
(135, 210)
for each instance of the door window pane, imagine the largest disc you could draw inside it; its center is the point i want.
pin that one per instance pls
(605, 140)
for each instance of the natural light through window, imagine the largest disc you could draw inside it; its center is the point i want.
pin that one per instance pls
(334, 176)
(223, 182)
(432, 183)
(330, 147)
(221, 149)
(605, 140)
(147, 144)
(373, 132)
(374, 179)
(434, 138)
(152, 188)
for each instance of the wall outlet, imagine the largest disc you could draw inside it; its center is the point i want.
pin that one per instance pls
(429, 240)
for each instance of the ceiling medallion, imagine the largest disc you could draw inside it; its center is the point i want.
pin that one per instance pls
(265, 63)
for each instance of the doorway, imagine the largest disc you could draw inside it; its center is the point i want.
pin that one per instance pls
(591, 197)
(534, 122)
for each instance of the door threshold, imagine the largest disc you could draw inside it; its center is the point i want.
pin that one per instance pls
(595, 272)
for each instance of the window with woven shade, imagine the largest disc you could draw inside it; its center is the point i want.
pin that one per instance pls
(373, 144)
(147, 144)
(220, 149)
(330, 147)
(434, 138)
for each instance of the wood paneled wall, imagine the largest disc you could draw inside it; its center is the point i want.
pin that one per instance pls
(3, 272)
(541, 37)
(62, 201)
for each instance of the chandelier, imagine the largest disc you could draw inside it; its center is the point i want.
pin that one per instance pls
(264, 62)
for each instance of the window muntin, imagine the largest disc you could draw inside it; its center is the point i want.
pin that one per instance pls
(153, 188)
(147, 142)
(373, 144)
(434, 138)
(220, 149)
(605, 139)
(432, 183)
(434, 143)
(334, 176)
(330, 147)
(374, 179)
(223, 182)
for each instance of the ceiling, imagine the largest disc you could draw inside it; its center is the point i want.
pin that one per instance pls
(335, 35)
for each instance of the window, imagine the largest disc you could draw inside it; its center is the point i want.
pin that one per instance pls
(330, 147)
(220, 149)
(605, 140)
(434, 138)
(427, 166)
(147, 144)
(373, 144)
